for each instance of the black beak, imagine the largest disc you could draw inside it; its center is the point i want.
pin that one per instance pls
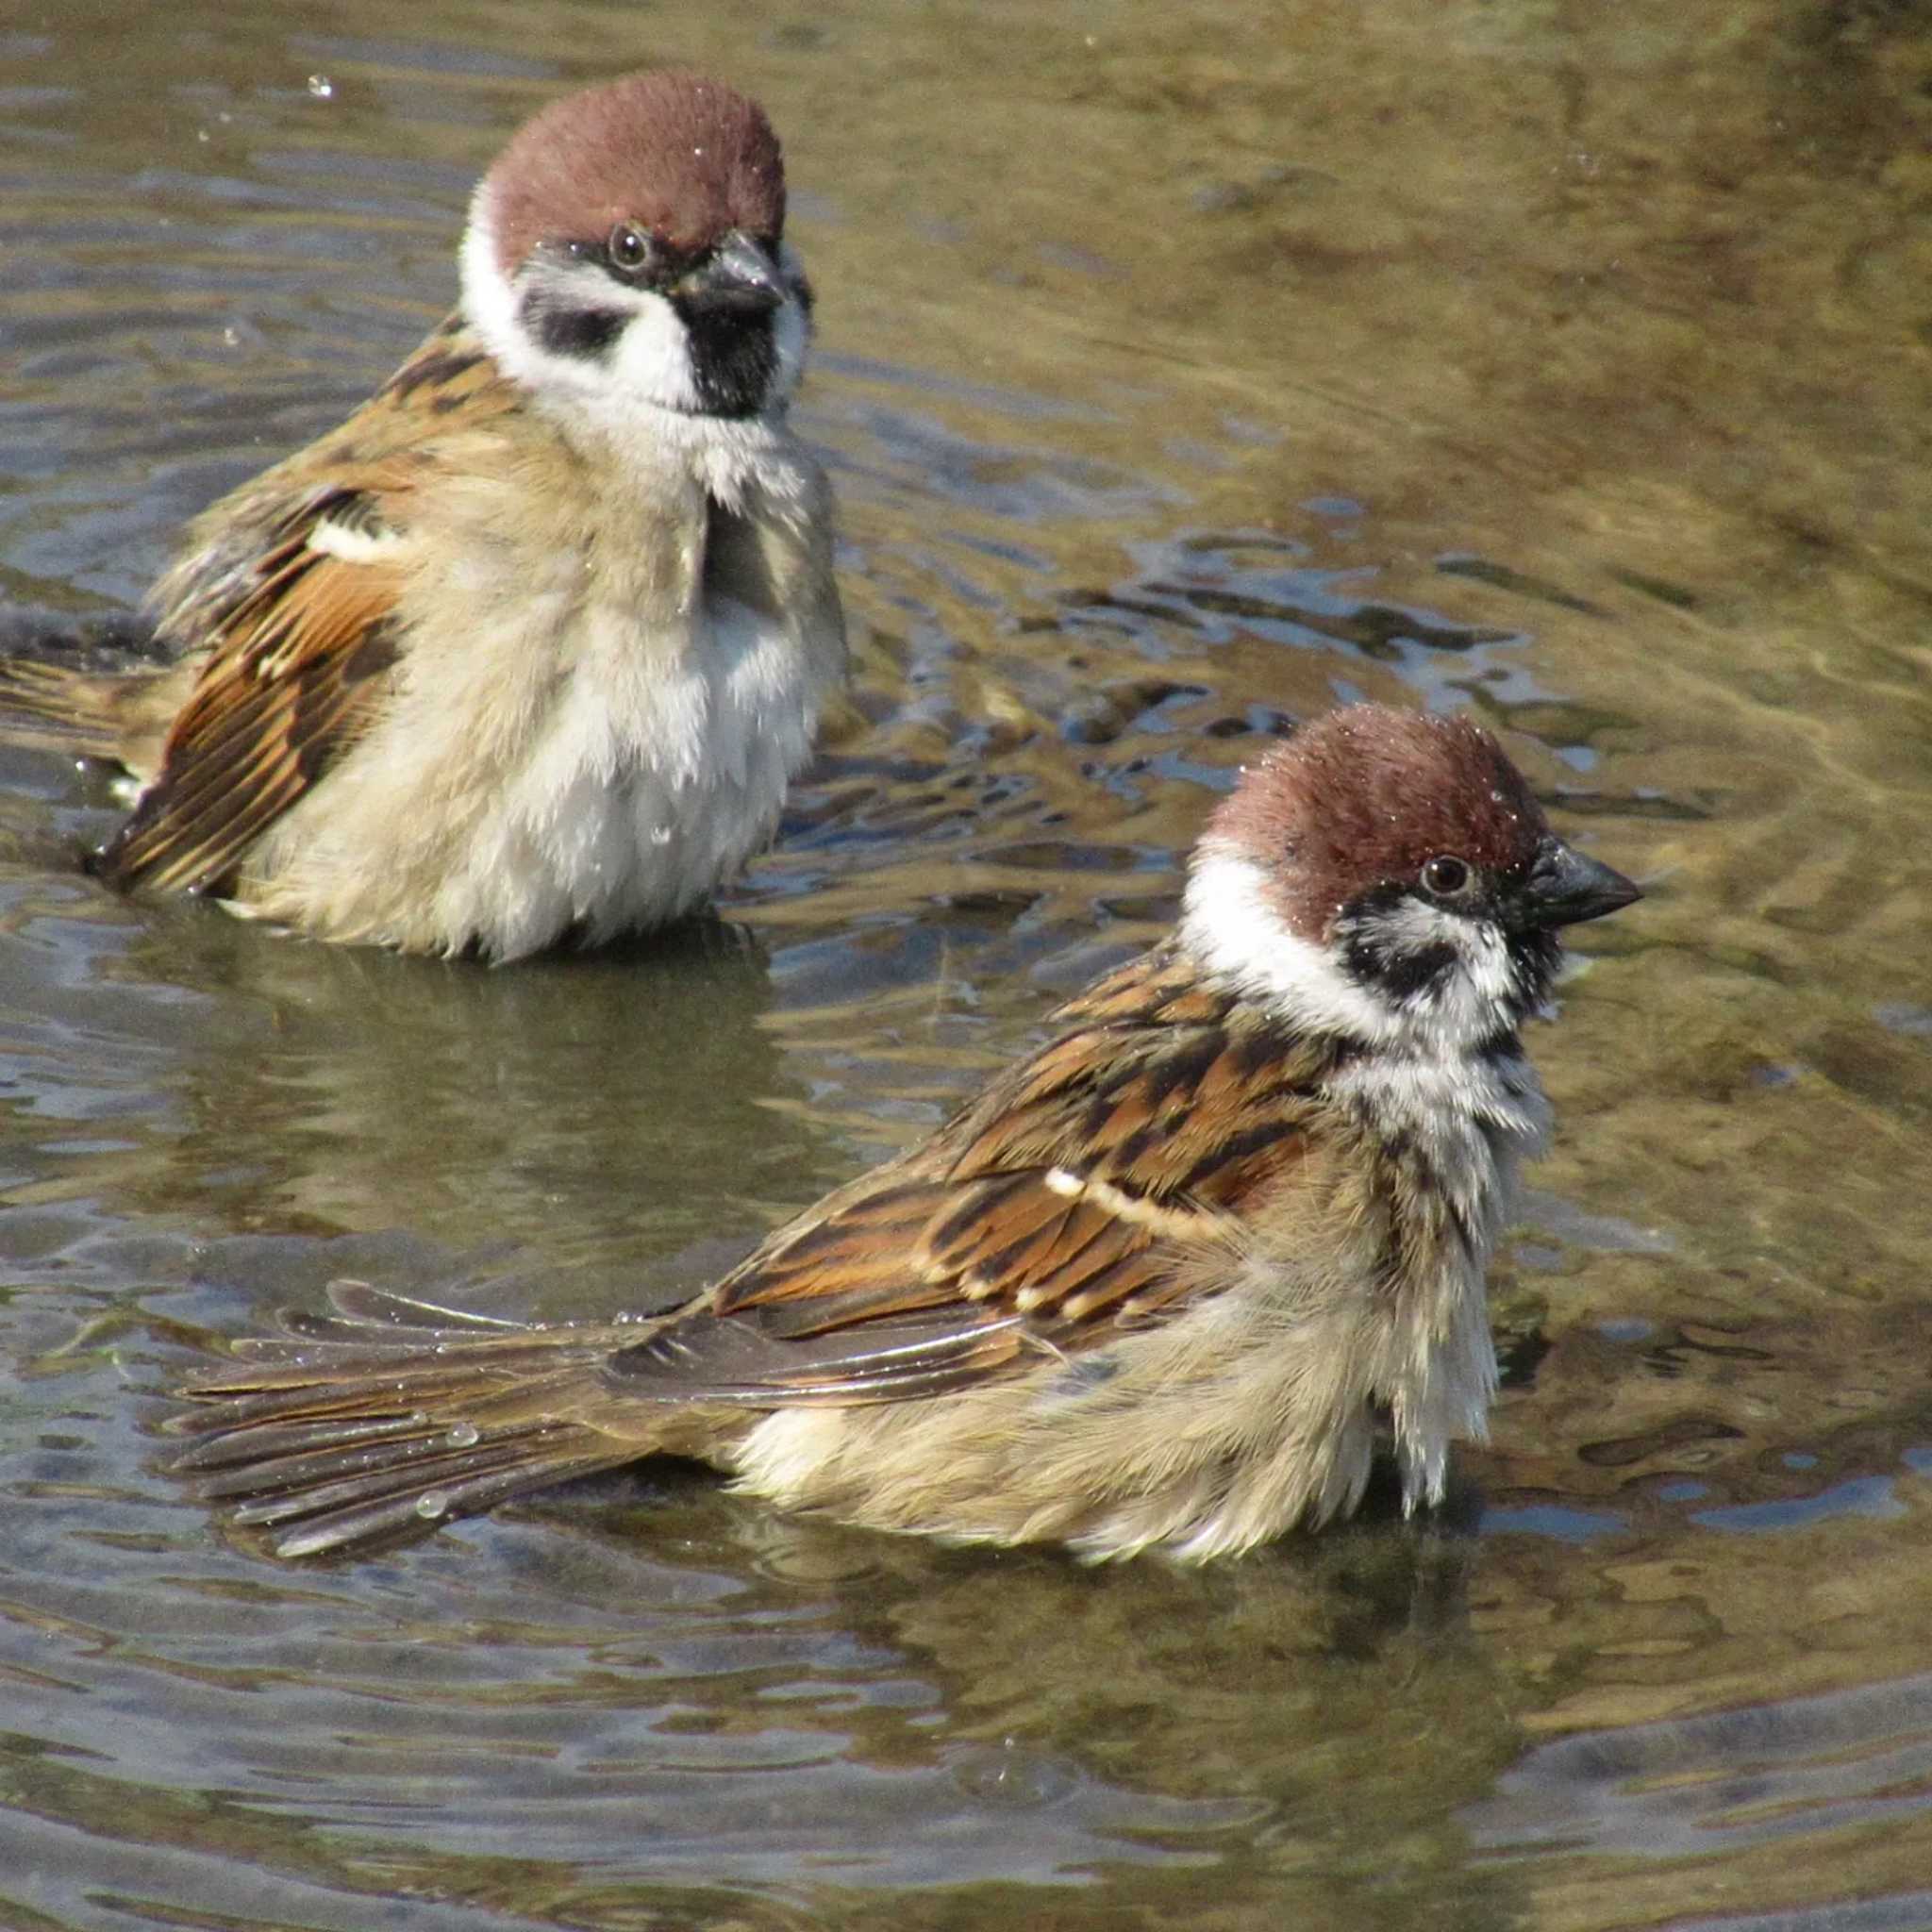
(738, 275)
(1564, 888)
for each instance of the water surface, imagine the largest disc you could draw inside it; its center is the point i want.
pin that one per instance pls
(1180, 371)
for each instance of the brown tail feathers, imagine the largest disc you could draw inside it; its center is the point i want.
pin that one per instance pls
(391, 1416)
(49, 708)
(68, 689)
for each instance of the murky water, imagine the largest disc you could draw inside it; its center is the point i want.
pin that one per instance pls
(1182, 369)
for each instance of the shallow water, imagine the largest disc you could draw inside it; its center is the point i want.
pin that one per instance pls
(1180, 371)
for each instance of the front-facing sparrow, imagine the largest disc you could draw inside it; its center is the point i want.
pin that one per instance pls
(1160, 1285)
(530, 647)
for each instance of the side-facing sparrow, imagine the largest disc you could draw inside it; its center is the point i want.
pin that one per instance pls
(1158, 1286)
(530, 647)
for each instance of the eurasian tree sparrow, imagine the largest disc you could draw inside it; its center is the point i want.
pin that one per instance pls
(1157, 1287)
(530, 647)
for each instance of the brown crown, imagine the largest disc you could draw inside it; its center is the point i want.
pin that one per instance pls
(1365, 796)
(682, 157)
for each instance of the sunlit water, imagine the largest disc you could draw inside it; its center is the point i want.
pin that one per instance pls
(1181, 371)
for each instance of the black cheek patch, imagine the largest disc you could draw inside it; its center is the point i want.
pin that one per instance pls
(1399, 974)
(585, 334)
(1373, 960)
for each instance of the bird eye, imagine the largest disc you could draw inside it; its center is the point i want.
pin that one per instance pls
(1447, 877)
(627, 249)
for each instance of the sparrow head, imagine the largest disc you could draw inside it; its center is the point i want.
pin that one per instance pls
(1388, 874)
(628, 248)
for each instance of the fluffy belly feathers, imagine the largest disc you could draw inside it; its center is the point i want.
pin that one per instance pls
(616, 794)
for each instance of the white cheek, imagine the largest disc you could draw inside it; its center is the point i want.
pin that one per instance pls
(649, 363)
(489, 301)
(651, 359)
(1415, 926)
(1231, 925)
(1463, 1007)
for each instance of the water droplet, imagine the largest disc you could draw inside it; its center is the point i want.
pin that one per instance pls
(321, 85)
(1007, 1776)
(463, 1436)
(431, 1505)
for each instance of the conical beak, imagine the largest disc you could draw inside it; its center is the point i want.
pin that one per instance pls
(737, 275)
(1566, 887)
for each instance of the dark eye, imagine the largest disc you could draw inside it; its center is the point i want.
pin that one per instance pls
(627, 249)
(1447, 877)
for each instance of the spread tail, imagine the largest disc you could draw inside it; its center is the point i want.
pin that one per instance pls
(67, 689)
(391, 1416)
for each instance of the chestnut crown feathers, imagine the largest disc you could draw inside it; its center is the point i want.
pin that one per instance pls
(675, 154)
(1367, 795)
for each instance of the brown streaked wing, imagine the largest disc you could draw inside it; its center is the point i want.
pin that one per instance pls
(296, 638)
(284, 694)
(1083, 1191)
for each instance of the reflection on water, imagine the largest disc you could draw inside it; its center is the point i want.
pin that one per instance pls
(1176, 383)
(1813, 1777)
(1737, 1777)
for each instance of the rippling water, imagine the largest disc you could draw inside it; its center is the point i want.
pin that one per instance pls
(1180, 372)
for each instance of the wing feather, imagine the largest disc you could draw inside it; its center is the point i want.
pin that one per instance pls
(1080, 1193)
(287, 602)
